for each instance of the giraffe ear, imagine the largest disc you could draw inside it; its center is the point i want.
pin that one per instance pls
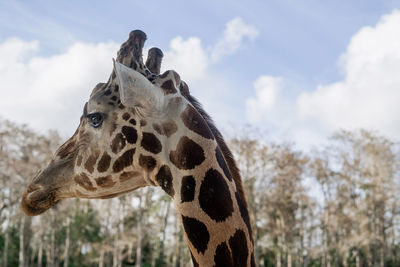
(135, 89)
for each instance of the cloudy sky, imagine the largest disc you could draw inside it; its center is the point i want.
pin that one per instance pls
(298, 70)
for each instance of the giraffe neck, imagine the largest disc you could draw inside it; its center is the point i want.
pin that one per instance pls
(213, 215)
(210, 216)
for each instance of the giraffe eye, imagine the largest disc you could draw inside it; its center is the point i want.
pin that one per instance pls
(95, 119)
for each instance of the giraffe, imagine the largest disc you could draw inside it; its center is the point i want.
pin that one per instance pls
(143, 128)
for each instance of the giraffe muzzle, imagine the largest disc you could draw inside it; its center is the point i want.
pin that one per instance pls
(35, 201)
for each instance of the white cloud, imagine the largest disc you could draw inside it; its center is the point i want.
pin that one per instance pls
(187, 57)
(367, 97)
(267, 92)
(49, 92)
(236, 30)
(14, 50)
(191, 59)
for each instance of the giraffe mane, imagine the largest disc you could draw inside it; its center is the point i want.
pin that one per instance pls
(233, 169)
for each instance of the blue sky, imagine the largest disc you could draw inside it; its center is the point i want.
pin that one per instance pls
(292, 51)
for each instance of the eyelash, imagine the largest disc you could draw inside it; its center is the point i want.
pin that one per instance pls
(95, 119)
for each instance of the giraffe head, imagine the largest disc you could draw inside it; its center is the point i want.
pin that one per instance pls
(123, 129)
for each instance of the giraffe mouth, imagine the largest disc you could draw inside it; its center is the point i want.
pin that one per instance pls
(37, 201)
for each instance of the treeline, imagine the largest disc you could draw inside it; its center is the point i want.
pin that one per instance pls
(336, 206)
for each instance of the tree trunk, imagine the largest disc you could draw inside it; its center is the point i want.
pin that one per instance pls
(175, 253)
(5, 249)
(115, 252)
(278, 257)
(278, 253)
(52, 248)
(344, 261)
(48, 256)
(358, 258)
(139, 236)
(257, 250)
(21, 259)
(289, 258)
(51, 263)
(163, 230)
(40, 250)
(327, 254)
(101, 260)
(180, 244)
(67, 242)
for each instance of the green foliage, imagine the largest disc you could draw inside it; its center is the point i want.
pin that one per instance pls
(269, 258)
(86, 227)
(13, 246)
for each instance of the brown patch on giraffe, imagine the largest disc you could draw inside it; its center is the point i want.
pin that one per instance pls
(197, 233)
(105, 181)
(223, 256)
(113, 128)
(244, 213)
(113, 124)
(157, 127)
(195, 122)
(214, 196)
(125, 176)
(66, 149)
(222, 164)
(143, 123)
(107, 92)
(253, 261)
(118, 143)
(126, 116)
(188, 188)
(167, 128)
(147, 162)
(188, 154)
(130, 134)
(104, 162)
(114, 98)
(79, 160)
(238, 244)
(111, 104)
(151, 143)
(124, 161)
(164, 75)
(132, 121)
(164, 179)
(169, 87)
(176, 77)
(91, 161)
(83, 180)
